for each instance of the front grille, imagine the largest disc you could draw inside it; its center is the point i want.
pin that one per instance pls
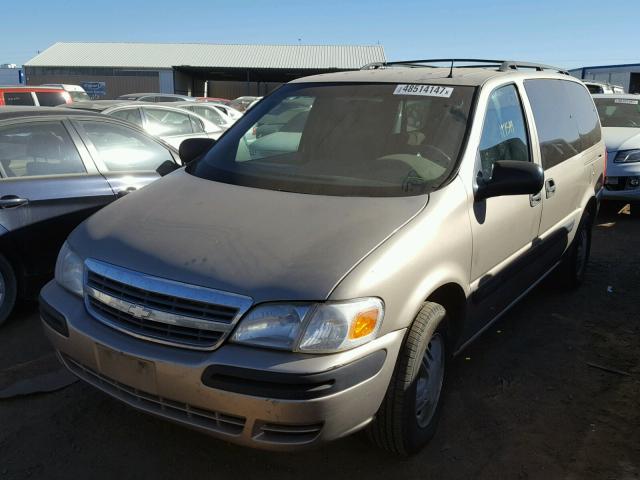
(160, 310)
(624, 183)
(159, 301)
(161, 331)
(178, 411)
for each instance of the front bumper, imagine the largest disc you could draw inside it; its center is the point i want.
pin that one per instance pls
(256, 397)
(618, 182)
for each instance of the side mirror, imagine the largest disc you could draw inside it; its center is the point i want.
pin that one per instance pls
(192, 148)
(511, 177)
(166, 167)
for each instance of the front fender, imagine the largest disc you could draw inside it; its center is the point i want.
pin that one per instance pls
(430, 251)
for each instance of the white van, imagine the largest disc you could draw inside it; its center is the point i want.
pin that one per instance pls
(76, 92)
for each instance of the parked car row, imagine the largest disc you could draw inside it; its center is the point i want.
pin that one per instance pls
(169, 123)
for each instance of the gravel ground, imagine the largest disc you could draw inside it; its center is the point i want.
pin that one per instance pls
(523, 402)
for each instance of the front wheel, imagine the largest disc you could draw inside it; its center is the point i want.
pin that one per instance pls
(8, 289)
(409, 414)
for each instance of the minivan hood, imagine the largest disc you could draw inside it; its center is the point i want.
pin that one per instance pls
(621, 138)
(265, 244)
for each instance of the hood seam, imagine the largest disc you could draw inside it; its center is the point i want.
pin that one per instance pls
(375, 247)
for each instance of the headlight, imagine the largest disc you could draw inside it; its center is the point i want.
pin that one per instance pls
(314, 328)
(70, 270)
(627, 156)
(271, 325)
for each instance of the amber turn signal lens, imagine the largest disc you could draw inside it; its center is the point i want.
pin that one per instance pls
(364, 323)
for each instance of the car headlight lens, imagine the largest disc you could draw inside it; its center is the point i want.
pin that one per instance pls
(70, 270)
(627, 156)
(271, 325)
(314, 328)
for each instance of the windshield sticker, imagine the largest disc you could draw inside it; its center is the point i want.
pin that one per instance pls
(626, 100)
(424, 90)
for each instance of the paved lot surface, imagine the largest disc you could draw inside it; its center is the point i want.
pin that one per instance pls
(523, 401)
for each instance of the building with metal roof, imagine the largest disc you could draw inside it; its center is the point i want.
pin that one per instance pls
(626, 75)
(113, 69)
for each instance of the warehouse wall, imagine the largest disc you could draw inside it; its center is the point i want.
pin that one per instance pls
(10, 76)
(165, 81)
(626, 76)
(116, 85)
(231, 90)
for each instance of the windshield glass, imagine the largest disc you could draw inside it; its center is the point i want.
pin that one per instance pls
(344, 139)
(619, 112)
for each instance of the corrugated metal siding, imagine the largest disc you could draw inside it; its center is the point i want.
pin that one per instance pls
(115, 85)
(10, 76)
(167, 55)
(165, 81)
(229, 89)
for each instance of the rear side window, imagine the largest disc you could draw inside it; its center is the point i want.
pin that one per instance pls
(50, 99)
(210, 114)
(18, 98)
(167, 122)
(37, 149)
(585, 114)
(504, 133)
(130, 115)
(123, 149)
(555, 112)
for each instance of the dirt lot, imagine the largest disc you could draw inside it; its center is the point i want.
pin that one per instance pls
(523, 401)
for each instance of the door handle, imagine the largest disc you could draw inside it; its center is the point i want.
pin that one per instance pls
(535, 199)
(550, 187)
(12, 201)
(122, 193)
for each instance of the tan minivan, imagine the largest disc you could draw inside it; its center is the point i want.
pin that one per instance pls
(291, 289)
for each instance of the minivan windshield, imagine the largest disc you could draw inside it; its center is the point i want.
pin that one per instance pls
(345, 139)
(619, 112)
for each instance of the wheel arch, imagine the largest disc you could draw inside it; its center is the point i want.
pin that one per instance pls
(453, 299)
(10, 253)
(591, 207)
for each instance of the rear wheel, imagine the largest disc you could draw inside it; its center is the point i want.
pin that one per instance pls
(8, 289)
(409, 414)
(574, 265)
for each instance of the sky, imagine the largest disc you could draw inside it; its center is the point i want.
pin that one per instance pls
(567, 33)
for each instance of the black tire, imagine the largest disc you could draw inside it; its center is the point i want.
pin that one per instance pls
(396, 427)
(573, 268)
(8, 289)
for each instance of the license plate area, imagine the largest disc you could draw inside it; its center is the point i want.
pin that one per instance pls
(130, 371)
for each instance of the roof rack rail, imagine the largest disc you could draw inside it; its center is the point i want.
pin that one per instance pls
(501, 65)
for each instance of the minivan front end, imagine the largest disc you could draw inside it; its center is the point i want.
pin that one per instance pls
(112, 328)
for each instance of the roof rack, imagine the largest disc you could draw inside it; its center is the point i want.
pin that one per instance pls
(500, 65)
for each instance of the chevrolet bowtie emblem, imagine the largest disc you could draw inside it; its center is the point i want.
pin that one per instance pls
(139, 311)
